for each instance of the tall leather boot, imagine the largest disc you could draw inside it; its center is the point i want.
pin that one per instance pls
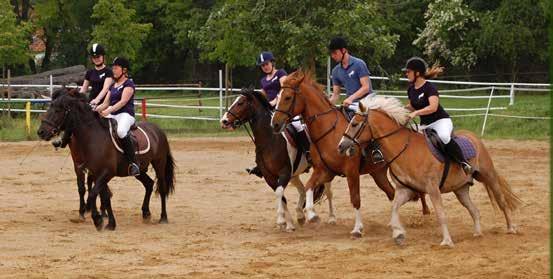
(456, 154)
(128, 149)
(304, 144)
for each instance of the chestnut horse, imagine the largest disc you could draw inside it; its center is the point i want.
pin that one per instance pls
(274, 155)
(300, 95)
(101, 157)
(415, 169)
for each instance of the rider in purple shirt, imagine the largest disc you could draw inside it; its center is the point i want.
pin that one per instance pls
(270, 86)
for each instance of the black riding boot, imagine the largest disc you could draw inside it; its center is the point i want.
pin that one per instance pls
(255, 170)
(456, 154)
(303, 144)
(128, 149)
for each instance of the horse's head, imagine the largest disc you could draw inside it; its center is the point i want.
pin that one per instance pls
(350, 140)
(58, 115)
(244, 109)
(289, 102)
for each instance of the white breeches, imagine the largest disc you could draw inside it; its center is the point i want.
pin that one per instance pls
(298, 126)
(443, 128)
(124, 123)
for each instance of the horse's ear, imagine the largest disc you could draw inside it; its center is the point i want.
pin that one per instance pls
(362, 107)
(246, 92)
(73, 92)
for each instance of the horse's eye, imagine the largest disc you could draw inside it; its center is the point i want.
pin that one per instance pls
(354, 124)
(240, 103)
(288, 98)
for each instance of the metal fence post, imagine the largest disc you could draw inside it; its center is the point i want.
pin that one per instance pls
(512, 95)
(51, 86)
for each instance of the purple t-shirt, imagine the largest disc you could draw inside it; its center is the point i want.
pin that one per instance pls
(116, 93)
(272, 86)
(419, 100)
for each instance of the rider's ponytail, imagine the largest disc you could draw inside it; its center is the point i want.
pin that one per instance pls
(434, 71)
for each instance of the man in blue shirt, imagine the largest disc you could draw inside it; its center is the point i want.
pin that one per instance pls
(351, 73)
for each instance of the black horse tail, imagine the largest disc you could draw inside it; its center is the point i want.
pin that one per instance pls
(169, 186)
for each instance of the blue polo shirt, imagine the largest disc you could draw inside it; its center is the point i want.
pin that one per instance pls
(350, 76)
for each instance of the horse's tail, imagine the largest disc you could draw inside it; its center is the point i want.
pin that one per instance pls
(500, 193)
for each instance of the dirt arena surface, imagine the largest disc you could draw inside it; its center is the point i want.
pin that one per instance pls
(222, 223)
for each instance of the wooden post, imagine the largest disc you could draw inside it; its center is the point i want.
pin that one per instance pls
(143, 109)
(200, 96)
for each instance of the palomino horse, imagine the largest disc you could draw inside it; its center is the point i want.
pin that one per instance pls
(415, 169)
(274, 155)
(326, 124)
(102, 158)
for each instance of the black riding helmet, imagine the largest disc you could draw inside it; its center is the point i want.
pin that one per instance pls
(337, 43)
(96, 50)
(415, 64)
(122, 62)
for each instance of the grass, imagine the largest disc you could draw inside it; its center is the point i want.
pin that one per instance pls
(526, 104)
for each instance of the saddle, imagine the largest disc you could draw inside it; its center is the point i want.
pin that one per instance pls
(348, 113)
(438, 148)
(139, 137)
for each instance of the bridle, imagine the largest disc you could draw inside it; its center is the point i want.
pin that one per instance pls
(57, 128)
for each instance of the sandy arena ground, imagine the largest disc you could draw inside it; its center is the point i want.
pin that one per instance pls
(222, 223)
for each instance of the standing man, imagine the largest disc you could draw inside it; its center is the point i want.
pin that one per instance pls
(351, 73)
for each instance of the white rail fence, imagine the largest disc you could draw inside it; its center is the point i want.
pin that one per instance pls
(490, 89)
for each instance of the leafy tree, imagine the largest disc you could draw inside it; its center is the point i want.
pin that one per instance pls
(13, 37)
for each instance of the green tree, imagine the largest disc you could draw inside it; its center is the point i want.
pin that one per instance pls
(296, 31)
(117, 28)
(446, 34)
(13, 38)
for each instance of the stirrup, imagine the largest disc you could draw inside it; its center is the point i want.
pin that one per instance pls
(134, 170)
(377, 156)
(467, 168)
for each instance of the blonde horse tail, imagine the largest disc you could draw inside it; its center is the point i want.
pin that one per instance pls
(500, 193)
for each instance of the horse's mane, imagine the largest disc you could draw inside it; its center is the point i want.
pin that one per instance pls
(258, 96)
(66, 97)
(391, 106)
(308, 77)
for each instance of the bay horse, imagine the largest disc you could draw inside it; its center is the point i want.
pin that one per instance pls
(275, 155)
(300, 95)
(415, 169)
(101, 157)
(78, 161)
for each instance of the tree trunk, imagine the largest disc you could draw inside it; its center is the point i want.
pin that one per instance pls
(47, 52)
(25, 10)
(15, 5)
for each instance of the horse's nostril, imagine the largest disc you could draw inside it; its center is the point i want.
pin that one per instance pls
(225, 121)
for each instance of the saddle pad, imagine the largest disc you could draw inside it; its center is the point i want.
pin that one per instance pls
(139, 137)
(464, 143)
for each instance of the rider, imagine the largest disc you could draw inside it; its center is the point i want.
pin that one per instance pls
(424, 101)
(119, 104)
(270, 86)
(99, 78)
(352, 73)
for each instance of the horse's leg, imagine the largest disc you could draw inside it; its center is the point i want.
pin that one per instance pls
(89, 181)
(106, 203)
(436, 198)
(284, 219)
(315, 179)
(148, 184)
(331, 209)
(80, 187)
(301, 200)
(159, 167)
(402, 196)
(381, 179)
(463, 196)
(425, 209)
(99, 185)
(355, 198)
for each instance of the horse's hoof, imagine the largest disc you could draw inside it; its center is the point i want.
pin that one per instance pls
(447, 243)
(163, 221)
(110, 227)
(512, 230)
(282, 226)
(315, 220)
(301, 221)
(399, 239)
(146, 215)
(477, 234)
(98, 222)
(332, 221)
(356, 235)
(104, 214)
(290, 229)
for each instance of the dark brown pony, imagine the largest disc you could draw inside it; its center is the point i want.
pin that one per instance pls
(301, 95)
(415, 169)
(102, 159)
(274, 155)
